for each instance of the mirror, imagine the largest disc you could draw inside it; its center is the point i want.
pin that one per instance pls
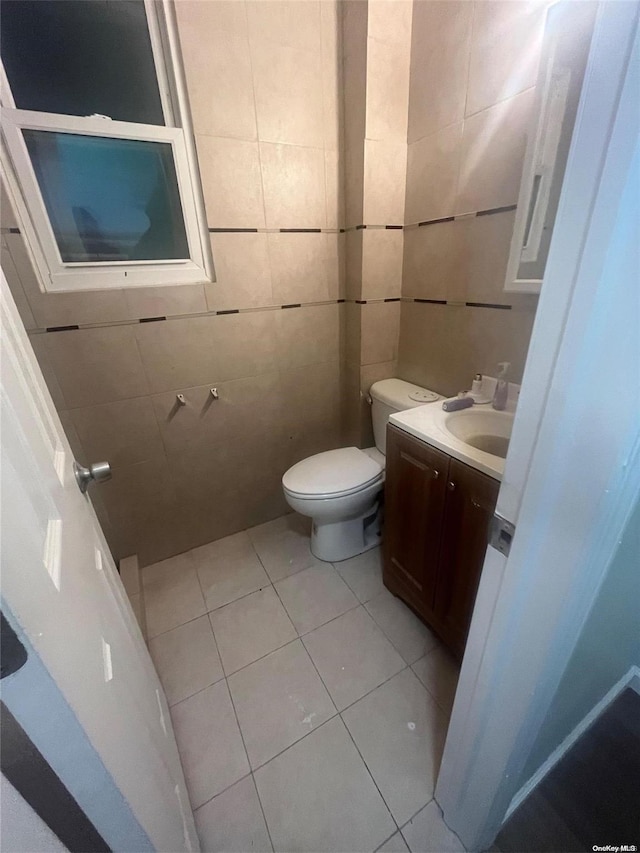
(563, 61)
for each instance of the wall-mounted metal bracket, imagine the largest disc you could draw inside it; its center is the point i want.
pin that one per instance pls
(501, 533)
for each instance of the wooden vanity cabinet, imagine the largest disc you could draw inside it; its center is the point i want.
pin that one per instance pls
(437, 515)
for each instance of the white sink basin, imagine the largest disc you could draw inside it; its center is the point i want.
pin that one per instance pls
(478, 436)
(484, 429)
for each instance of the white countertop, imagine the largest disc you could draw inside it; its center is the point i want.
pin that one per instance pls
(427, 424)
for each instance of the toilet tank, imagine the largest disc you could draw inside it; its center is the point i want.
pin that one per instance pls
(394, 395)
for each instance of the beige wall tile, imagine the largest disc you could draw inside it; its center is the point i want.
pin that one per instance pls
(443, 346)
(39, 344)
(228, 16)
(63, 309)
(492, 152)
(332, 78)
(370, 373)
(432, 171)
(124, 432)
(97, 365)
(246, 411)
(334, 260)
(441, 40)
(381, 263)
(380, 330)
(489, 241)
(387, 90)
(215, 51)
(16, 288)
(294, 191)
(507, 38)
(164, 301)
(288, 92)
(232, 182)
(243, 272)
(354, 26)
(307, 335)
(390, 20)
(7, 216)
(334, 194)
(495, 335)
(180, 354)
(385, 166)
(311, 409)
(287, 22)
(66, 419)
(353, 267)
(436, 261)
(351, 332)
(354, 186)
(433, 348)
(298, 267)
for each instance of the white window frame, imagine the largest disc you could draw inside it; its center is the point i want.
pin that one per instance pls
(54, 274)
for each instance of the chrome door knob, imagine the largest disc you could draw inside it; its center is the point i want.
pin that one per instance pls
(99, 472)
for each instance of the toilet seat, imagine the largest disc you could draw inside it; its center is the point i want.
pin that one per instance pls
(332, 474)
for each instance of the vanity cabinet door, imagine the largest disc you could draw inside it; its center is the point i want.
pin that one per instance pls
(470, 502)
(416, 478)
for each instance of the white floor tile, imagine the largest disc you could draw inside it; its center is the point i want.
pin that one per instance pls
(318, 796)
(314, 596)
(363, 574)
(186, 659)
(250, 628)
(228, 569)
(396, 844)
(172, 594)
(209, 742)
(409, 635)
(400, 732)
(439, 671)
(352, 656)
(428, 833)
(279, 699)
(233, 821)
(283, 545)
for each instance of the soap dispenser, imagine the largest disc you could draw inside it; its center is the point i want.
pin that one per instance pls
(502, 387)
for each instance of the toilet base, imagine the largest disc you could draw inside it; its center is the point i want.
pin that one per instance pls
(339, 540)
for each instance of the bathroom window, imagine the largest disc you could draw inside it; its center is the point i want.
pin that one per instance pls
(96, 147)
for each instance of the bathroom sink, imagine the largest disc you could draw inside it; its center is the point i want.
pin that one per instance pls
(482, 428)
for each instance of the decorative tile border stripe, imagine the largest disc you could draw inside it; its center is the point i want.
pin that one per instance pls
(505, 209)
(410, 225)
(71, 328)
(276, 230)
(488, 305)
(252, 310)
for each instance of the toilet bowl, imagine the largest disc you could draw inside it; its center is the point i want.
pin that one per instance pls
(341, 490)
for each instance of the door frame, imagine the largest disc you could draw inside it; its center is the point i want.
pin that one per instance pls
(569, 498)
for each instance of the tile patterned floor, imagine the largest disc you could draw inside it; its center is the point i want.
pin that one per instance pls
(309, 704)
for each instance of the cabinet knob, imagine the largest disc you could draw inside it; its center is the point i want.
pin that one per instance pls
(436, 474)
(451, 485)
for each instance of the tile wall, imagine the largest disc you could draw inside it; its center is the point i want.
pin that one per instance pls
(330, 136)
(264, 86)
(472, 77)
(376, 45)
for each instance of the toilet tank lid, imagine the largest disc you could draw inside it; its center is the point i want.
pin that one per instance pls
(401, 395)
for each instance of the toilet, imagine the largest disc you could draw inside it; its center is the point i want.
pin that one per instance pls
(340, 490)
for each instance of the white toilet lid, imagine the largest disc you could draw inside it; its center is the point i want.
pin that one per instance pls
(334, 472)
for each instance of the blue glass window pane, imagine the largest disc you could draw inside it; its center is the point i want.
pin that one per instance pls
(109, 199)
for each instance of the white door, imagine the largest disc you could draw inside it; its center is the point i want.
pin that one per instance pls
(573, 469)
(63, 595)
